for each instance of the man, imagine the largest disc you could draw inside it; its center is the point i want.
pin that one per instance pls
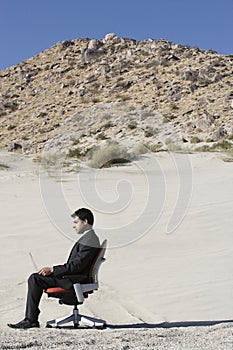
(78, 263)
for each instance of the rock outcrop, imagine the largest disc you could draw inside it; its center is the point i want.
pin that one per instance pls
(166, 92)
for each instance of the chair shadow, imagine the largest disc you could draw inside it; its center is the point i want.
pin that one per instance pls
(168, 324)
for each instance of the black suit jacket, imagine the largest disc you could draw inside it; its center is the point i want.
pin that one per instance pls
(79, 262)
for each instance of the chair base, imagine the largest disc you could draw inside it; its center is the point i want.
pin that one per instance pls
(76, 317)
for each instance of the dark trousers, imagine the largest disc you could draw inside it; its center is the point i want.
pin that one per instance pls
(36, 285)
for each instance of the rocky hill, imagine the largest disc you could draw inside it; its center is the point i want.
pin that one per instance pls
(84, 92)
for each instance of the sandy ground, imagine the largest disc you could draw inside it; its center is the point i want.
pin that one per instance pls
(167, 282)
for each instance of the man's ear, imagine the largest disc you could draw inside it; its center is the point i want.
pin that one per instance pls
(86, 222)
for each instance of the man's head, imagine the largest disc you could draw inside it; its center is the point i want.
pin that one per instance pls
(83, 220)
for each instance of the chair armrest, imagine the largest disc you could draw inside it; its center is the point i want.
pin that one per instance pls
(82, 288)
(88, 287)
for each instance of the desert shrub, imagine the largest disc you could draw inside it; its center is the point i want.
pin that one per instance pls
(228, 157)
(132, 125)
(95, 100)
(125, 98)
(122, 98)
(173, 106)
(139, 149)
(119, 79)
(195, 139)
(172, 146)
(53, 163)
(11, 127)
(147, 113)
(3, 166)
(143, 148)
(204, 148)
(107, 125)
(50, 162)
(101, 136)
(49, 159)
(230, 137)
(132, 108)
(170, 116)
(222, 145)
(75, 142)
(149, 131)
(108, 155)
(76, 153)
(69, 167)
(154, 147)
(71, 82)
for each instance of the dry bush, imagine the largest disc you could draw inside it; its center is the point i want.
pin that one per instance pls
(108, 155)
(132, 125)
(143, 148)
(101, 136)
(4, 166)
(220, 146)
(195, 139)
(139, 149)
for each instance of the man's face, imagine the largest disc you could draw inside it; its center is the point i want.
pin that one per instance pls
(79, 225)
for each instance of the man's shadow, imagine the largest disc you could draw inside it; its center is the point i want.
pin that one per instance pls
(169, 324)
(151, 325)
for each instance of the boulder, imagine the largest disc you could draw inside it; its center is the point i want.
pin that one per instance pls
(88, 55)
(14, 146)
(217, 134)
(217, 77)
(205, 122)
(111, 37)
(190, 74)
(94, 44)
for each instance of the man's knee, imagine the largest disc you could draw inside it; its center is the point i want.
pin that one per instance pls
(32, 278)
(37, 280)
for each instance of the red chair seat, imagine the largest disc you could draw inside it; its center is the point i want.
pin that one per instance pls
(58, 290)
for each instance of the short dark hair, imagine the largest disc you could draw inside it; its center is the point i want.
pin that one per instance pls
(84, 214)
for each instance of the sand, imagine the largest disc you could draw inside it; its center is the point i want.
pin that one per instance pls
(167, 280)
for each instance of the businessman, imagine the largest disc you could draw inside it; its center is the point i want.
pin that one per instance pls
(78, 263)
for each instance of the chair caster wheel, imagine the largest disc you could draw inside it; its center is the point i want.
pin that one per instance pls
(76, 325)
(48, 326)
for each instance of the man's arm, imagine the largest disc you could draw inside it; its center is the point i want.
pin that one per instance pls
(83, 258)
(78, 264)
(86, 252)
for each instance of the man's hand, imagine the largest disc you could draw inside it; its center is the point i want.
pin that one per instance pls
(46, 271)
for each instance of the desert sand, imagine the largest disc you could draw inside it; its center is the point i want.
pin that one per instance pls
(167, 281)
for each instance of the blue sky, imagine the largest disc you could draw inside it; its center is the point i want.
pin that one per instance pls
(28, 27)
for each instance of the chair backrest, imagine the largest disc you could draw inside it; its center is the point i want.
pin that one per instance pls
(99, 259)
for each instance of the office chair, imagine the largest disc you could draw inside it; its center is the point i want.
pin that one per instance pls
(77, 295)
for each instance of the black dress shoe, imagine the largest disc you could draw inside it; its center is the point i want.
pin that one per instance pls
(24, 324)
